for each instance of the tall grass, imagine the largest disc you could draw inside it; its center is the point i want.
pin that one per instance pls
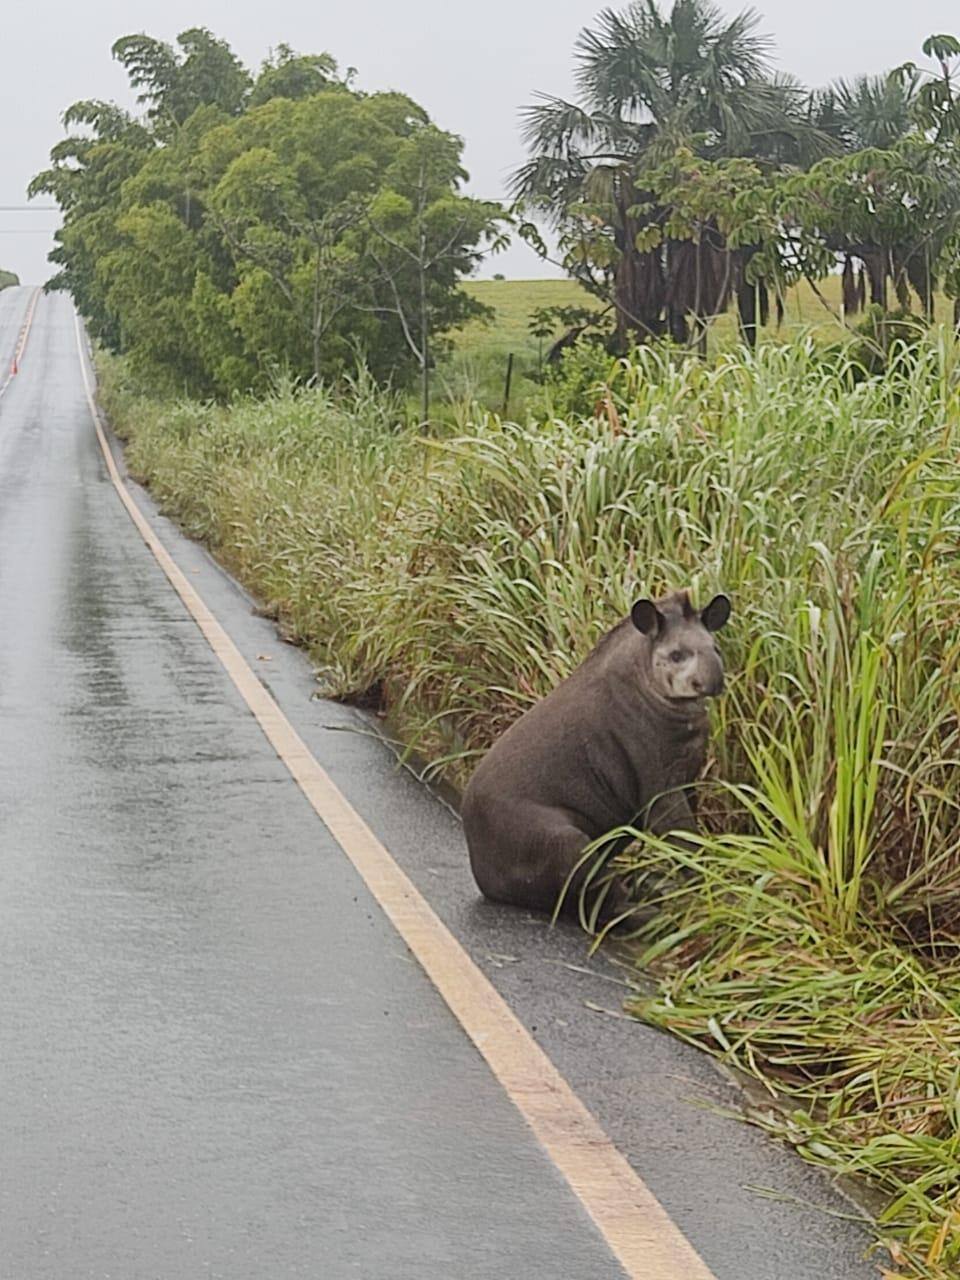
(463, 573)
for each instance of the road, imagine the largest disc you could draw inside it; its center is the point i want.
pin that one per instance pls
(218, 1057)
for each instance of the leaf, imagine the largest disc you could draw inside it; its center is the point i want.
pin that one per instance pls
(941, 47)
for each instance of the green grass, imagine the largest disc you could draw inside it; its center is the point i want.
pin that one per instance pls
(514, 301)
(466, 571)
(8, 279)
(476, 368)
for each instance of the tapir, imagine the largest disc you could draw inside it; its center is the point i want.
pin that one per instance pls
(619, 742)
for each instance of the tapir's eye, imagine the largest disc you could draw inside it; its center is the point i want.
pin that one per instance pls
(678, 655)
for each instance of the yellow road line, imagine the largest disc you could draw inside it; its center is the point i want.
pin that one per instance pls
(21, 341)
(634, 1224)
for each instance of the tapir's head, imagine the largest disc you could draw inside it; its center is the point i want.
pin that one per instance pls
(685, 663)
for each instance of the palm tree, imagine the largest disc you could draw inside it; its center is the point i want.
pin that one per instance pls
(648, 83)
(869, 111)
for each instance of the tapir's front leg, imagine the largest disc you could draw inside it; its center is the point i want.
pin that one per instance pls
(671, 815)
(671, 812)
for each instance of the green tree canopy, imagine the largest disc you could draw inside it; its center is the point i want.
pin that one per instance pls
(286, 74)
(649, 83)
(173, 85)
(239, 225)
(688, 175)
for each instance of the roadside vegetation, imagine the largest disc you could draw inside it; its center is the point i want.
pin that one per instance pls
(8, 279)
(749, 382)
(243, 224)
(687, 178)
(455, 577)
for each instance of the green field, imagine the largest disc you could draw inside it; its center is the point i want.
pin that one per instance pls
(478, 364)
(514, 302)
(477, 367)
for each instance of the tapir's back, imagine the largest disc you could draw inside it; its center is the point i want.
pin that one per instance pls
(562, 751)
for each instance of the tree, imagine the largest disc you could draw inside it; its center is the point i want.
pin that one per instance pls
(423, 236)
(893, 202)
(157, 265)
(86, 175)
(936, 106)
(650, 83)
(286, 74)
(233, 229)
(205, 73)
(868, 111)
(289, 253)
(724, 213)
(343, 217)
(896, 210)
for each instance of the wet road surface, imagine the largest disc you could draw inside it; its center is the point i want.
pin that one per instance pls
(217, 1059)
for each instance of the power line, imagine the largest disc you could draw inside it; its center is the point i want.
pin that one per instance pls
(29, 208)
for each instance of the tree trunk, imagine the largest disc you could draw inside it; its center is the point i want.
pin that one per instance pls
(919, 274)
(638, 284)
(634, 299)
(677, 326)
(424, 345)
(875, 261)
(851, 296)
(747, 309)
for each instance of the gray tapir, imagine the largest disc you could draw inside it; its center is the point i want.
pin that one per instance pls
(619, 741)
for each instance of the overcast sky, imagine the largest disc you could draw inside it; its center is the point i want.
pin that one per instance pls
(472, 66)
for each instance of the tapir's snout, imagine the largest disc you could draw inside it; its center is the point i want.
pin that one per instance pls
(710, 682)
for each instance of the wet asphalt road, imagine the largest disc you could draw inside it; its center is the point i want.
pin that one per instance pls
(217, 1059)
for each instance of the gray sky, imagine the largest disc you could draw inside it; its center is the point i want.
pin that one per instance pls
(470, 66)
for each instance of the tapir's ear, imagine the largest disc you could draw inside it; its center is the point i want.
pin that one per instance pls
(716, 614)
(647, 618)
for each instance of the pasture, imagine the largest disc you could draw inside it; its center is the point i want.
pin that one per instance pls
(476, 367)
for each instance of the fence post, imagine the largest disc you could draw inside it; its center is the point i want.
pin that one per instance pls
(506, 389)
